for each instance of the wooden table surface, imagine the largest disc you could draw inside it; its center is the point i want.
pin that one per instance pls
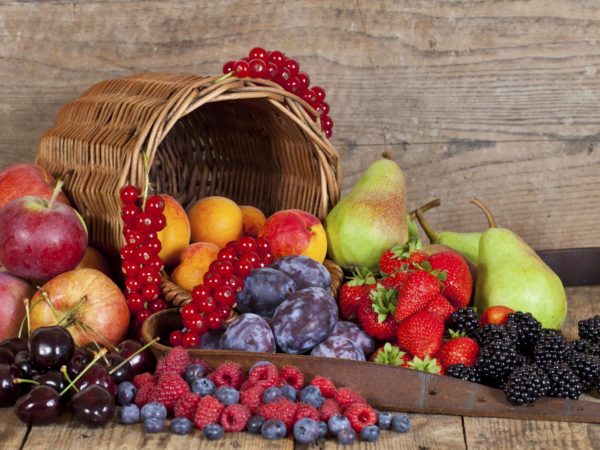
(427, 431)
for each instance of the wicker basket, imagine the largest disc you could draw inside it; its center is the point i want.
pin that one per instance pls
(245, 139)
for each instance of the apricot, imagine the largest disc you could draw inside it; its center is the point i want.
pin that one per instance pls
(175, 237)
(215, 219)
(253, 220)
(195, 260)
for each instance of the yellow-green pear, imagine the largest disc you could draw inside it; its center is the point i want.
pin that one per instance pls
(510, 273)
(370, 219)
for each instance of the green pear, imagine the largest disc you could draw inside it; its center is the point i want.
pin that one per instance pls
(510, 273)
(370, 219)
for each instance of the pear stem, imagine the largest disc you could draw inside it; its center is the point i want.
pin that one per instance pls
(426, 207)
(486, 211)
(386, 155)
(57, 188)
(432, 235)
(133, 355)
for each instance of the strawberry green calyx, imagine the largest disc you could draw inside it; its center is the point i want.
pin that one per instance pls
(390, 355)
(427, 364)
(403, 251)
(384, 301)
(362, 276)
(441, 275)
(456, 334)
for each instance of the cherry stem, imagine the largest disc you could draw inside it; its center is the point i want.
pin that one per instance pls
(69, 317)
(46, 298)
(97, 356)
(63, 370)
(105, 341)
(57, 188)
(486, 211)
(133, 355)
(26, 301)
(24, 380)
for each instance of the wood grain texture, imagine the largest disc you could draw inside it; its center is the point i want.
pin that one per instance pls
(12, 431)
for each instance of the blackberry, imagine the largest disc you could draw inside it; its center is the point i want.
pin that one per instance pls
(550, 349)
(584, 346)
(564, 382)
(528, 329)
(492, 332)
(496, 360)
(468, 373)
(590, 329)
(587, 368)
(464, 320)
(526, 384)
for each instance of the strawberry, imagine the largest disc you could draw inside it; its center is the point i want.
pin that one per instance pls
(427, 364)
(395, 281)
(495, 315)
(420, 288)
(355, 290)
(459, 350)
(401, 258)
(376, 313)
(390, 355)
(421, 334)
(440, 307)
(458, 285)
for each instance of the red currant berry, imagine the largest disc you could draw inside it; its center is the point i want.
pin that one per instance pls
(231, 244)
(145, 223)
(201, 292)
(129, 214)
(130, 268)
(142, 255)
(228, 67)
(154, 205)
(258, 68)
(271, 71)
(246, 244)
(148, 276)
(152, 246)
(277, 58)
(258, 53)
(134, 237)
(243, 268)
(190, 340)
(234, 283)
(262, 246)
(212, 279)
(292, 66)
(223, 312)
(151, 235)
(214, 321)
(197, 325)
(142, 316)
(293, 86)
(136, 303)
(328, 133)
(319, 93)
(304, 79)
(128, 194)
(309, 97)
(188, 311)
(224, 296)
(252, 258)
(324, 108)
(156, 305)
(241, 69)
(223, 268)
(154, 263)
(150, 292)
(326, 122)
(175, 338)
(207, 305)
(133, 284)
(267, 258)
(159, 222)
(283, 77)
(227, 254)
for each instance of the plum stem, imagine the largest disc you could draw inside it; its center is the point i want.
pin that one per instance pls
(55, 192)
(63, 370)
(133, 355)
(97, 356)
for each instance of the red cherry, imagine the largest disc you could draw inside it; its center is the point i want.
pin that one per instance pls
(252, 258)
(262, 246)
(136, 303)
(304, 79)
(175, 338)
(128, 194)
(258, 53)
(326, 122)
(293, 66)
(129, 214)
(258, 68)
(130, 268)
(246, 244)
(271, 71)
(227, 254)
(133, 284)
(224, 296)
(212, 279)
(319, 93)
(156, 305)
(243, 268)
(188, 311)
(277, 58)
(214, 321)
(223, 268)
(141, 317)
(228, 67)
(154, 204)
(234, 283)
(190, 340)
(154, 263)
(241, 69)
(150, 292)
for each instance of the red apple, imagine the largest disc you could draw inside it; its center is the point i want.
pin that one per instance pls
(87, 302)
(40, 239)
(20, 180)
(13, 291)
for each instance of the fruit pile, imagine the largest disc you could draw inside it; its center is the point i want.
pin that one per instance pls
(269, 401)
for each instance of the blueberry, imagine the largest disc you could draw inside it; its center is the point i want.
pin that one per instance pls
(322, 429)
(346, 436)
(289, 392)
(154, 425)
(228, 395)
(129, 414)
(370, 433)
(194, 372)
(203, 386)
(271, 394)
(212, 431)
(337, 423)
(181, 425)
(125, 393)
(273, 429)
(401, 423)
(306, 431)
(384, 420)
(153, 410)
(312, 395)
(254, 424)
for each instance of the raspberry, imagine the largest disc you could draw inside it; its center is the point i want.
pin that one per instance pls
(292, 376)
(305, 410)
(186, 406)
(246, 385)
(326, 385)
(142, 379)
(143, 394)
(207, 367)
(345, 397)
(329, 408)
(175, 361)
(282, 409)
(252, 398)
(169, 389)
(268, 411)
(235, 417)
(228, 374)
(265, 376)
(360, 415)
(209, 410)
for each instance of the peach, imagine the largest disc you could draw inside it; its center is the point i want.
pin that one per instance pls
(253, 220)
(175, 237)
(295, 232)
(20, 180)
(93, 259)
(195, 261)
(215, 219)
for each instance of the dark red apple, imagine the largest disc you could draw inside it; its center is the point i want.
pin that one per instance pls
(20, 180)
(13, 291)
(40, 239)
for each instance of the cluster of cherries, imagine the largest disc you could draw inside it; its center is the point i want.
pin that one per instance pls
(275, 66)
(214, 299)
(141, 264)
